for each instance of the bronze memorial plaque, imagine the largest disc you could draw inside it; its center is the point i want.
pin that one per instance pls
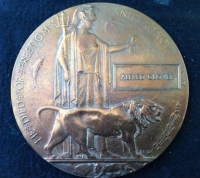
(99, 90)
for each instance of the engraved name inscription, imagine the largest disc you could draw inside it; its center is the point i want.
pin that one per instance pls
(146, 77)
(159, 76)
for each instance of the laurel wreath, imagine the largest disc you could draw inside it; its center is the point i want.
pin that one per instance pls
(169, 130)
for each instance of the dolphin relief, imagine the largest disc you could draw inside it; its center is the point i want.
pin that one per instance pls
(34, 70)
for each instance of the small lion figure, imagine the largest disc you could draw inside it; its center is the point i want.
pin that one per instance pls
(128, 119)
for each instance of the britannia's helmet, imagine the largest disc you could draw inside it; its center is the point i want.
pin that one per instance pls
(83, 12)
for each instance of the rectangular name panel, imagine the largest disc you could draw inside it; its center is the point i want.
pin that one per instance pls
(146, 77)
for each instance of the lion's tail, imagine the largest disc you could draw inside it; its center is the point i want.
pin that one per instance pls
(46, 107)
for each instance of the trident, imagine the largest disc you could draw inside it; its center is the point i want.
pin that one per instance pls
(63, 25)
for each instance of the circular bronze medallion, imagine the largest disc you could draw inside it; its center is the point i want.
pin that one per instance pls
(99, 90)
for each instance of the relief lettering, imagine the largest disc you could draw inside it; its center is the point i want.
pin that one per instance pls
(38, 37)
(160, 77)
(45, 31)
(52, 24)
(132, 77)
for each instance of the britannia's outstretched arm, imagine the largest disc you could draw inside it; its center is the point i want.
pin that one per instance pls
(115, 48)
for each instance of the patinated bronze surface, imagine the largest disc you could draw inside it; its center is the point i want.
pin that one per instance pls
(99, 90)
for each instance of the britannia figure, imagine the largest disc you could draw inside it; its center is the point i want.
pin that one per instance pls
(82, 68)
(82, 62)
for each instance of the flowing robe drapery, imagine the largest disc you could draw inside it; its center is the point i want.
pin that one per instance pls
(68, 94)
